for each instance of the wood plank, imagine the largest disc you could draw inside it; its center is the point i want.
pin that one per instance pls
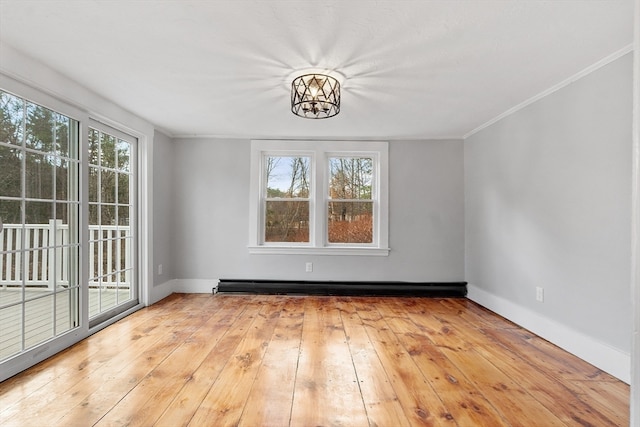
(381, 401)
(465, 402)
(271, 397)
(608, 398)
(140, 406)
(475, 315)
(186, 402)
(420, 402)
(103, 395)
(542, 353)
(539, 392)
(508, 396)
(224, 403)
(326, 391)
(453, 340)
(554, 394)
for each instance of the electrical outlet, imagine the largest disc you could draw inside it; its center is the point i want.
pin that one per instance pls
(308, 267)
(159, 269)
(539, 294)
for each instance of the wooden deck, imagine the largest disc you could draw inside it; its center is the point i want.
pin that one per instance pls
(39, 315)
(229, 360)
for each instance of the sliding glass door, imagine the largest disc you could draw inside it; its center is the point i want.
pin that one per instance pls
(112, 219)
(44, 248)
(39, 239)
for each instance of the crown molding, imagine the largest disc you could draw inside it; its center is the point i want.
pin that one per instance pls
(590, 69)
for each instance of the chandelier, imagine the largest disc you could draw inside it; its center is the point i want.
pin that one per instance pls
(315, 96)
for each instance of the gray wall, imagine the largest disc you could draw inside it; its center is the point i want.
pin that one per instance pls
(547, 203)
(211, 217)
(163, 207)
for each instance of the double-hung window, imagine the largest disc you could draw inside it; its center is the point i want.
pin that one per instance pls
(319, 197)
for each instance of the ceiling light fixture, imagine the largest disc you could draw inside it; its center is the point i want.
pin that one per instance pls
(315, 96)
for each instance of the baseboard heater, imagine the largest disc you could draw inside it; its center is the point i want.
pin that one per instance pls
(354, 288)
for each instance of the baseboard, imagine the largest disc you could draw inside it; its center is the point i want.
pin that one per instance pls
(161, 291)
(599, 354)
(307, 287)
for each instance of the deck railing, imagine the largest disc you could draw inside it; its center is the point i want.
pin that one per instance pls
(40, 254)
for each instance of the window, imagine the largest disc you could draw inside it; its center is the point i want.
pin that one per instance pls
(319, 197)
(350, 202)
(286, 199)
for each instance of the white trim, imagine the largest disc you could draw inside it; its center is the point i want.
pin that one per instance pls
(307, 250)
(603, 356)
(417, 138)
(112, 129)
(161, 291)
(590, 69)
(43, 98)
(113, 319)
(635, 231)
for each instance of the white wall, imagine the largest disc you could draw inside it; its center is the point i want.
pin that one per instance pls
(547, 202)
(212, 219)
(163, 209)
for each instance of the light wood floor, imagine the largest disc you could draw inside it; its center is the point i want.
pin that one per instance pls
(228, 360)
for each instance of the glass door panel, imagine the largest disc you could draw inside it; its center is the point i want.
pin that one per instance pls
(39, 243)
(112, 246)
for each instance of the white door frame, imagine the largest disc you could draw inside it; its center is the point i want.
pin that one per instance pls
(635, 230)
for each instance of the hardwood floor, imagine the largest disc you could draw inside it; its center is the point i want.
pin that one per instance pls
(247, 360)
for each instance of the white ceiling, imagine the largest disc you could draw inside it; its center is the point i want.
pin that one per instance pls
(414, 69)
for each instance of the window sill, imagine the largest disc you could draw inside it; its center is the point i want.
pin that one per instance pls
(305, 250)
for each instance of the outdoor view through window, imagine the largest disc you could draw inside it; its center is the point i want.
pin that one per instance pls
(39, 244)
(350, 216)
(40, 206)
(349, 209)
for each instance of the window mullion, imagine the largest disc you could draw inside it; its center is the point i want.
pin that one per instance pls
(320, 201)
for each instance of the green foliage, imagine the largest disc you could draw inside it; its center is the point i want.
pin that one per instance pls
(38, 160)
(34, 147)
(275, 193)
(109, 179)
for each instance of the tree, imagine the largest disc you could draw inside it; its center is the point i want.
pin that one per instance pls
(350, 205)
(11, 127)
(287, 220)
(109, 180)
(36, 143)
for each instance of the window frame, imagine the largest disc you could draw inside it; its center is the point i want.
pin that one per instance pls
(133, 205)
(319, 153)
